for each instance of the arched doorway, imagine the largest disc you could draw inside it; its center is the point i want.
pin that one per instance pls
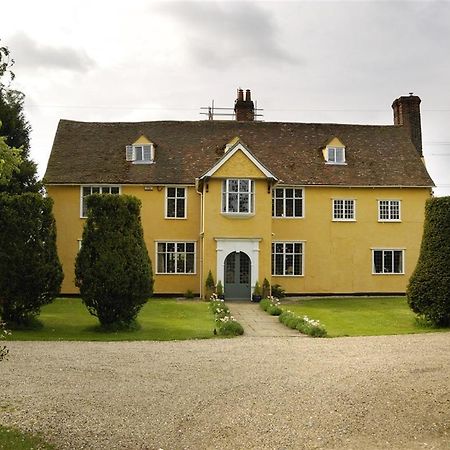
(237, 271)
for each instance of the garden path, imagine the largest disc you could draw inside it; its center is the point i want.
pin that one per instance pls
(258, 323)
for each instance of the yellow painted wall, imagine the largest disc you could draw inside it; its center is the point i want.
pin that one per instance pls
(338, 257)
(156, 227)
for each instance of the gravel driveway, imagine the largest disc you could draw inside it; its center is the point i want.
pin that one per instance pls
(389, 392)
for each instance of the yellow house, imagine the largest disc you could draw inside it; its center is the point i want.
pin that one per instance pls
(316, 208)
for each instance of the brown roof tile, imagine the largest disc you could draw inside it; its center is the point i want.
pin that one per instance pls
(85, 152)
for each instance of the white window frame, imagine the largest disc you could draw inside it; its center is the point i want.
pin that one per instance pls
(390, 203)
(385, 251)
(175, 253)
(345, 210)
(166, 213)
(131, 153)
(335, 151)
(284, 198)
(226, 197)
(100, 187)
(285, 254)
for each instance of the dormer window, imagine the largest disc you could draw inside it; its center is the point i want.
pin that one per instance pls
(141, 152)
(336, 155)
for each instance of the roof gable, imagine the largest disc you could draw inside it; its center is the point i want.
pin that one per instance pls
(238, 147)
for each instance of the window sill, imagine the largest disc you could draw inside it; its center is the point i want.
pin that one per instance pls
(335, 163)
(390, 221)
(175, 218)
(289, 276)
(143, 162)
(343, 220)
(175, 273)
(238, 215)
(387, 273)
(288, 217)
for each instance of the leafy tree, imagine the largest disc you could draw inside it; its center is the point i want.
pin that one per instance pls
(112, 269)
(16, 130)
(30, 271)
(210, 286)
(9, 161)
(428, 290)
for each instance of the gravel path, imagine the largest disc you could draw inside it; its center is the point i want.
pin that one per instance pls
(389, 392)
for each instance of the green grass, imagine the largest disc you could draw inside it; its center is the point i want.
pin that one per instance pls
(361, 316)
(67, 319)
(11, 439)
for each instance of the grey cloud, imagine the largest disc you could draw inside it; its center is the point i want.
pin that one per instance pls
(31, 54)
(220, 34)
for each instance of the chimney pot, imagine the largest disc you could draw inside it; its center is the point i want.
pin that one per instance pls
(244, 109)
(407, 113)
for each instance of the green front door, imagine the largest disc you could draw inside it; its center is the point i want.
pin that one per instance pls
(237, 276)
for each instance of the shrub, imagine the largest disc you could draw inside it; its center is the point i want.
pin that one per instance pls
(189, 294)
(265, 288)
(210, 286)
(428, 291)
(30, 271)
(303, 324)
(271, 305)
(112, 269)
(230, 327)
(226, 324)
(278, 291)
(219, 288)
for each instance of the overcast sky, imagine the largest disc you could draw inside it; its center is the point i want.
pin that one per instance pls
(335, 61)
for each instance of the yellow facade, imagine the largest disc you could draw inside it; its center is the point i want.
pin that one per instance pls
(337, 255)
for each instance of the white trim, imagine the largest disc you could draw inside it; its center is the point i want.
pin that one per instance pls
(239, 146)
(302, 242)
(95, 186)
(167, 187)
(284, 187)
(389, 249)
(175, 241)
(225, 246)
(336, 147)
(399, 209)
(334, 219)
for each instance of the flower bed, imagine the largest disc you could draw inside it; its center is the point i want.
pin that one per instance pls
(226, 324)
(303, 324)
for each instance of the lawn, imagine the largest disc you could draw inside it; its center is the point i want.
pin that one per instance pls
(360, 316)
(67, 319)
(14, 439)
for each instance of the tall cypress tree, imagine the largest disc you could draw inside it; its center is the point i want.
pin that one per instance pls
(428, 291)
(112, 269)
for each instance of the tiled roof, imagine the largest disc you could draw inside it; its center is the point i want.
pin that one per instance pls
(85, 152)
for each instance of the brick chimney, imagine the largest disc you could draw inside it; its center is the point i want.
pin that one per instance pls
(407, 113)
(244, 109)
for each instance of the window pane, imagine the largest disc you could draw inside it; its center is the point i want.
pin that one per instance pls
(279, 248)
(162, 263)
(298, 193)
(190, 247)
(339, 155)
(289, 248)
(147, 153)
(115, 190)
(398, 262)
(224, 202)
(170, 192)
(279, 207)
(244, 203)
(387, 261)
(180, 263)
(86, 191)
(138, 152)
(244, 185)
(289, 267)
(180, 207)
(170, 247)
(170, 262)
(95, 190)
(161, 247)
(279, 193)
(180, 192)
(297, 248)
(331, 155)
(232, 185)
(289, 207)
(232, 202)
(297, 265)
(378, 261)
(190, 263)
(279, 264)
(289, 193)
(298, 207)
(170, 207)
